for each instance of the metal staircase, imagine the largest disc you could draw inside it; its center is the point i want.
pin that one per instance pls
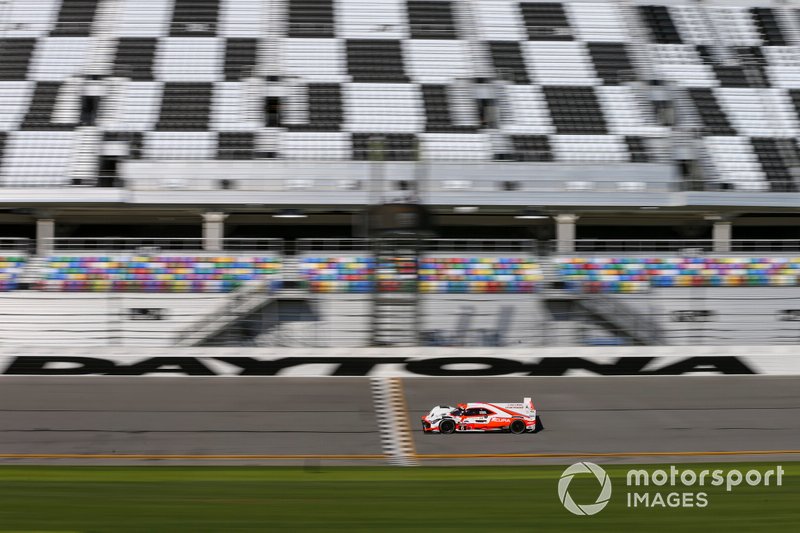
(621, 319)
(243, 304)
(32, 272)
(395, 302)
(607, 312)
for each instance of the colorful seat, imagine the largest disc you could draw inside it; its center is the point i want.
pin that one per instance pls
(141, 273)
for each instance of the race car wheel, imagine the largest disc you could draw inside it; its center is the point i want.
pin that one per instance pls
(517, 427)
(447, 426)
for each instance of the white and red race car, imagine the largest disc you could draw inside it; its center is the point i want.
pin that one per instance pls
(515, 418)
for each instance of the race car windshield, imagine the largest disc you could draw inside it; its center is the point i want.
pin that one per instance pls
(456, 412)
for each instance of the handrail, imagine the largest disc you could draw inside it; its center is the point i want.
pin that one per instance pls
(160, 244)
(686, 247)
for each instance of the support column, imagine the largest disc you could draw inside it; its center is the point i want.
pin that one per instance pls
(722, 235)
(45, 233)
(565, 232)
(213, 231)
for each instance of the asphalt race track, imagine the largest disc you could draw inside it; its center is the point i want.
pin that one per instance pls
(639, 416)
(297, 420)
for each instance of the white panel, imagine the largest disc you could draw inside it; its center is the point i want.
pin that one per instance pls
(180, 145)
(190, 59)
(29, 18)
(528, 112)
(692, 25)
(624, 116)
(15, 97)
(597, 21)
(144, 18)
(57, 58)
(436, 61)
(228, 108)
(140, 105)
(315, 60)
(240, 18)
(759, 112)
(784, 77)
(500, 20)
(783, 66)
(589, 148)
(735, 26)
(315, 145)
(681, 65)
(367, 19)
(455, 146)
(736, 162)
(37, 157)
(559, 63)
(782, 55)
(383, 107)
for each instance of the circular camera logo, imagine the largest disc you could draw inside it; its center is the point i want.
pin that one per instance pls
(602, 498)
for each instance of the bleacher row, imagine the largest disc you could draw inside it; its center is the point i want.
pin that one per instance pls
(435, 275)
(176, 81)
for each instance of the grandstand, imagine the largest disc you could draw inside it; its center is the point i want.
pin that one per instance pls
(207, 172)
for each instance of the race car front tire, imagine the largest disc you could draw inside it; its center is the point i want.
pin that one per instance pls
(447, 426)
(517, 427)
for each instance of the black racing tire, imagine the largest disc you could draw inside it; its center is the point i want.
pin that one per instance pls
(517, 427)
(447, 426)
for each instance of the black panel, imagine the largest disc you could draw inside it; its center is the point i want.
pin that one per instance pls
(775, 155)
(794, 94)
(235, 145)
(731, 76)
(546, 21)
(659, 21)
(396, 146)
(768, 26)
(324, 108)
(754, 66)
(311, 18)
(531, 148)
(240, 57)
(194, 18)
(16, 54)
(3, 137)
(40, 112)
(375, 61)
(575, 110)
(134, 139)
(715, 122)
(431, 20)
(135, 57)
(437, 111)
(74, 18)
(508, 62)
(611, 62)
(185, 106)
(637, 148)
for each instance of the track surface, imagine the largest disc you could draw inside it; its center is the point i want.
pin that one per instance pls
(335, 416)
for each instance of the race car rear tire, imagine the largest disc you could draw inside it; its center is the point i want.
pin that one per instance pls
(447, 426)
(517, 427)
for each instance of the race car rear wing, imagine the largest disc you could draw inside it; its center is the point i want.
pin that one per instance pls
(525, 408)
